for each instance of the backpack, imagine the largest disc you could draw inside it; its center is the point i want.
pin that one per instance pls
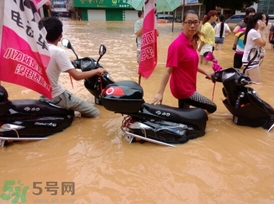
(235, 45)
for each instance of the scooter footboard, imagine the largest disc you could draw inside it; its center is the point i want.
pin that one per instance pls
(35, 126)
(161, 130)
(247, 115)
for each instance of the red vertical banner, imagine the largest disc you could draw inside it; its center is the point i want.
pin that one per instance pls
(24, 54)
(148, 55)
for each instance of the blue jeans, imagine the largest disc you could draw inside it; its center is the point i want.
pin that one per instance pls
(219, 40)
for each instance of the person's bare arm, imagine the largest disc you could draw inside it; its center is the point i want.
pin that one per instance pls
(77, 75)
(236, 29)
(207, 74)
(261, 42)
(202, 43)
(139, 32)
(159, 97)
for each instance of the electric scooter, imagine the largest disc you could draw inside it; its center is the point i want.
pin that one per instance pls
(159, 124)
(29, 119)
(94, 84)
(246, 107)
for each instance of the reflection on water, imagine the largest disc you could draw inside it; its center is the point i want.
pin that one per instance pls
(230, 164)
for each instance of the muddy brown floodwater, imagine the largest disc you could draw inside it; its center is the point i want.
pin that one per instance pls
(230, 164)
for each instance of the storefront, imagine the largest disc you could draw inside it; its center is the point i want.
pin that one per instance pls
(112, 10)
(188, 5)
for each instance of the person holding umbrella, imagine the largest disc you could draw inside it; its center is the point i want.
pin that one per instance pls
(182, 67)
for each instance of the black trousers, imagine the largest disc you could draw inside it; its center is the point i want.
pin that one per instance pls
(199, 101)
(237, 62)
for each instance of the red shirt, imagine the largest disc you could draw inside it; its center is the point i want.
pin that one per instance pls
(184, 59)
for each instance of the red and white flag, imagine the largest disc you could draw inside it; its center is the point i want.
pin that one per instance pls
(40, 3)
(24, 53)
(148, 55)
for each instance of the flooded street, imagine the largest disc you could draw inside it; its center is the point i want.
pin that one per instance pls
(230, 164)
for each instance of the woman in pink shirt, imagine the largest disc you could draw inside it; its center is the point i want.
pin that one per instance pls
(182, 67)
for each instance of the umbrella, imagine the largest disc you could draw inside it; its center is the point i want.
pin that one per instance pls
(161, 5)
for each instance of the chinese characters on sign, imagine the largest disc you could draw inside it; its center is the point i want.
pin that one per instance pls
(52, 187)
(24, 56)
(101, 3)
(148, 55)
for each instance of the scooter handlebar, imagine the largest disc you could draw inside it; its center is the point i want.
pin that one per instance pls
(86, 64)
(76, 64)
(245, 82)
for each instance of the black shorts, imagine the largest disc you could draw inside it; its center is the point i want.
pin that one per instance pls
(237, 63)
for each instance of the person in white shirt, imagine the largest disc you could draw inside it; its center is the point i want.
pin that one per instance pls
(138, 30)
(59, 62)
(255, 37)
(221, 31)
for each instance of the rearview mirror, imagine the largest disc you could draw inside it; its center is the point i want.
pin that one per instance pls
(66, 43)
(102, 50)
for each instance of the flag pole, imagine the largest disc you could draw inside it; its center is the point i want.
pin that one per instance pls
(139, 79)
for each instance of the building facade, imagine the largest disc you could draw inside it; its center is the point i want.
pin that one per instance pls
(266, 6)
(120, 10)
(105, 10)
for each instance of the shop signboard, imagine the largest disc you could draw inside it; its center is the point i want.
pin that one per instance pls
(102, 4)
(192, 1)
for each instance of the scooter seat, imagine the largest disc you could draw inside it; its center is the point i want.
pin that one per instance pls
(192, 116)
(36, 107)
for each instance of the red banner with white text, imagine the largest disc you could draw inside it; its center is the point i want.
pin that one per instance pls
(148, 55)
(24, 53)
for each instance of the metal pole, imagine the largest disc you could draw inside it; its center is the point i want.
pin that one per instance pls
(172, 21)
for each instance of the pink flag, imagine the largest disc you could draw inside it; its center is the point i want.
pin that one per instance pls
(24, 53)
(40, 3)
(148, 55)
